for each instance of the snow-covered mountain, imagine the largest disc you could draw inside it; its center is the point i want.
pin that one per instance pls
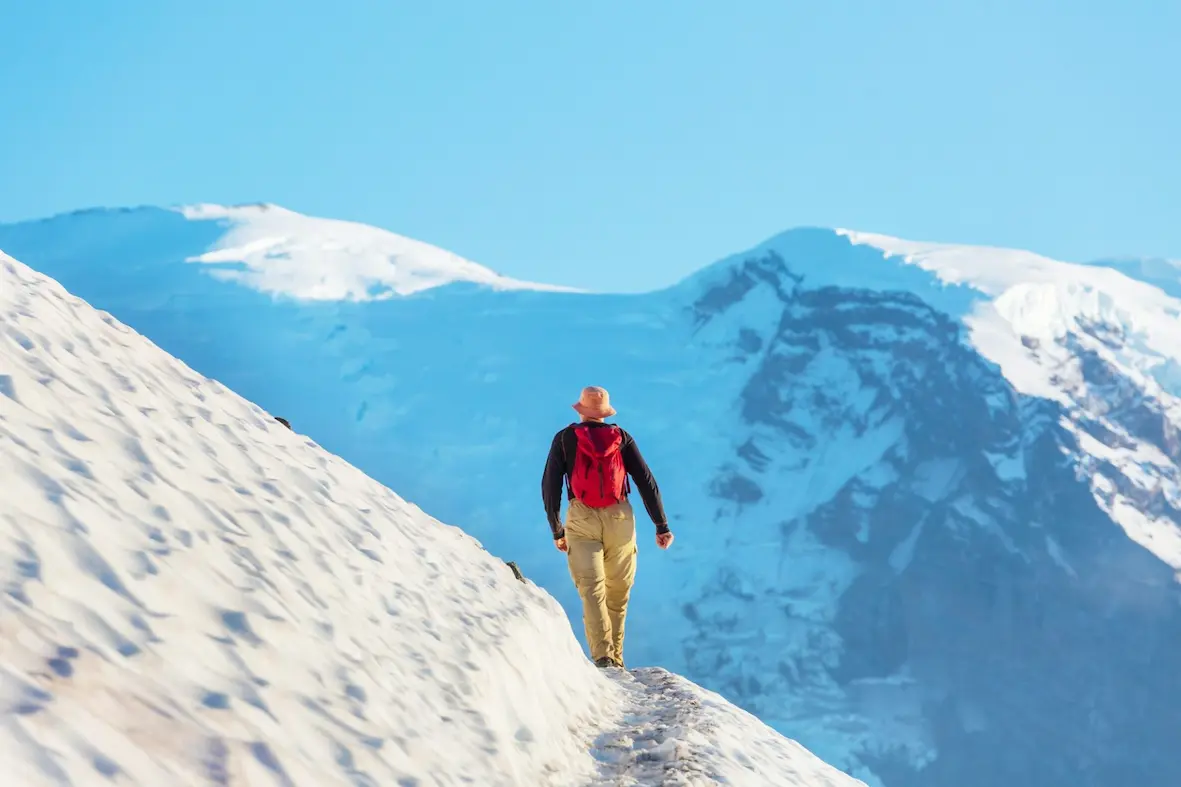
(196, 595)
(926, 496)
(275, 250)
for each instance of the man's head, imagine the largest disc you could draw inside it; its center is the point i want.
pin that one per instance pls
(594, 404)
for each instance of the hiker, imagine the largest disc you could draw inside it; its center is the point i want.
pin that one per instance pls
(599, 536)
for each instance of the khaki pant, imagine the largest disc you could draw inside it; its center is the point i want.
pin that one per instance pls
(602, 556)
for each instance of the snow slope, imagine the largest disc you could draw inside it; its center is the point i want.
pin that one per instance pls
(1020, 310)
(1158, 272)
(926, 496)
(282, 252)
(1031, 306)
(196, 595)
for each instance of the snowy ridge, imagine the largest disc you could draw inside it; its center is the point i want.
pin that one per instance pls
(1040, 298)
(1040, 320)
(897, 467)
(195, 594)
(1158, 272)
(282, 252)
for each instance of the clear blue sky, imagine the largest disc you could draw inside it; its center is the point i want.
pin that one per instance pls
(623, 142)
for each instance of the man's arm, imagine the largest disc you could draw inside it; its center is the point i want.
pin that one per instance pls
(637, 468)
(551, 486)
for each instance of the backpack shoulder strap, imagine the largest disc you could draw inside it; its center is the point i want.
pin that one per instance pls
(566, 434)
(623, 437)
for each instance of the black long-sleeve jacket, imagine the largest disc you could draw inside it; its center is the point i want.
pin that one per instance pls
(558, 467)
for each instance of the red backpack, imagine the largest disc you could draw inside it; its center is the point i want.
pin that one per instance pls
(597, 476)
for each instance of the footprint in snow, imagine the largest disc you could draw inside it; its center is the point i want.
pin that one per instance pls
(652, 746)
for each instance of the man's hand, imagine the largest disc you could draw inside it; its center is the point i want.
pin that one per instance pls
(560, 544)
(663, 540)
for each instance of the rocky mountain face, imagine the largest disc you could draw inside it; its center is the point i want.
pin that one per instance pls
(892, 545)
(991, 624)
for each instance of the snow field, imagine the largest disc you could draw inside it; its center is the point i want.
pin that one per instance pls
(196, 595)
(281, 252)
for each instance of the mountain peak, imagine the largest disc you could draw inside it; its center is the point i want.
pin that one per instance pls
(281, 252)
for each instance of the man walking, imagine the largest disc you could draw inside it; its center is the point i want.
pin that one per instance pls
(599, 537)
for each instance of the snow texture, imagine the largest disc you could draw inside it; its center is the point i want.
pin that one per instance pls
(195, 594)
(282, 252)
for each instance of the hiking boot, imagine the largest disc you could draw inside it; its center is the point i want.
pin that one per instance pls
(604, 662)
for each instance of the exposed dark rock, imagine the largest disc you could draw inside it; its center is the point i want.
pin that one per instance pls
(1034, 630)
